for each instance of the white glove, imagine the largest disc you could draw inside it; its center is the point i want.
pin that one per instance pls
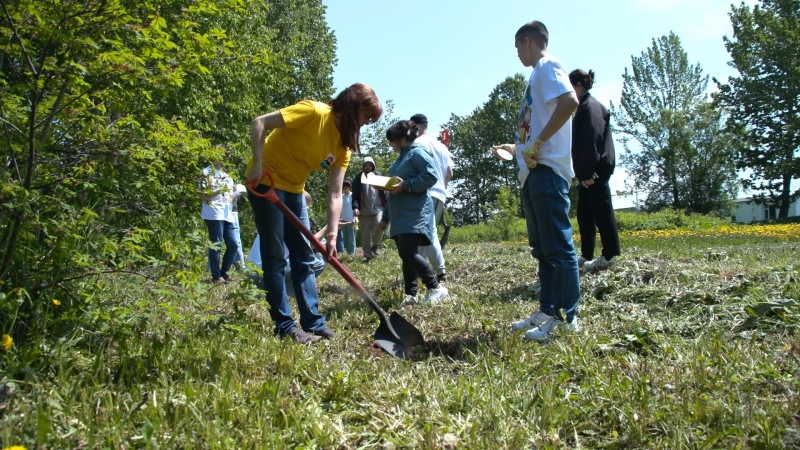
(240, 189)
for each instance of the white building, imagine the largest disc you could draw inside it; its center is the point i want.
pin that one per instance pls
(748, 211)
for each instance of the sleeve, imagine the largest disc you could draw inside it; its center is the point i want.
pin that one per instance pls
(300, 114)
(357, 191)
(343, 160)
(589, 122)
(423, 162)
(554, 80)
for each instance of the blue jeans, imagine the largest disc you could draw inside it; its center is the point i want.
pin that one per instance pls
(275, 231)
(239, 259)
(339, 241)
(348, 233)
(217, 231)
(544, 197)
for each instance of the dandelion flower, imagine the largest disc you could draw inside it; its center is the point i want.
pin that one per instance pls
(56, 302)
(15, 447)
(6, 342)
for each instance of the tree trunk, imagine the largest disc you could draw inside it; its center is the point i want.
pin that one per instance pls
(785, 193)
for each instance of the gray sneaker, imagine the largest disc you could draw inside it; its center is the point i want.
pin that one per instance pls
(600, 263)
(546, 331)
(299, 336)
(582, 261)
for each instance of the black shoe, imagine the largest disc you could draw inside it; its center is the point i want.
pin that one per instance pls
(442, 277)
(374, 249)
(367, 260)
(325, 333)
(299, 336)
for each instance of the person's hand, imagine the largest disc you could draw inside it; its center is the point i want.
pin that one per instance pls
(254, 174)
(587, 183)
(510, 148)
(398, 187)
(331, 246)
(530, 156)
(355, 211)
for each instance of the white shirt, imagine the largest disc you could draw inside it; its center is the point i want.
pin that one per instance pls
(347, 208)
(548, 81)
(442, 160)
(221, 206)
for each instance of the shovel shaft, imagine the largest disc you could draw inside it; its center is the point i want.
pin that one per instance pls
(273, 198)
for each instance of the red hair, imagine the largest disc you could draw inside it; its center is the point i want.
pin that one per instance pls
(347, 104)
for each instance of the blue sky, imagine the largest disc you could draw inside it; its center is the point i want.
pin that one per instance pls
(443, 57)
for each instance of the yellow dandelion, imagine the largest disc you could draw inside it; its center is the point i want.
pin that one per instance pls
(6, 341)
(56, 302)
(16, 447)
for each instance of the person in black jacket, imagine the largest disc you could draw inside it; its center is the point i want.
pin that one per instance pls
(593, 162)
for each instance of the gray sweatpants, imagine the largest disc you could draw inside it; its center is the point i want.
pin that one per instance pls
(369, 232)
(433, 253)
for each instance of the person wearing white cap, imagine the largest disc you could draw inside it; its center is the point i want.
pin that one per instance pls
(369, 204)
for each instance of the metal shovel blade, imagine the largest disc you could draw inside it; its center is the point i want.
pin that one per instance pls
(402, 341)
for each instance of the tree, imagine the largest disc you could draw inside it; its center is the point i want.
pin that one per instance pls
(764, 100)
(682, 159)
(478, 177)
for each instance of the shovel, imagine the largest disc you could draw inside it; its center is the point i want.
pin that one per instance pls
(394, 334)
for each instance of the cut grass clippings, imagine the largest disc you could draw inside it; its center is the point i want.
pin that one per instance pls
(689, 341)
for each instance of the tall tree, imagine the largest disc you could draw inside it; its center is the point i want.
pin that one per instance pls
(676, 160)
(478, 177)
(764, 100)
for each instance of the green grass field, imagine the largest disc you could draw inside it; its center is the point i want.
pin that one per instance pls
(689, 342)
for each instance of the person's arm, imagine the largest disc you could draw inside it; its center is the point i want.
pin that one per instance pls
(566, 104)
(356, 194)
(258, 133)
(334, 208)
(448, 175)
(425, 180)
(321, 233)
(591, 129)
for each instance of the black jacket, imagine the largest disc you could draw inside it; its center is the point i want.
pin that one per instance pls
(592, 144)
(358, 191)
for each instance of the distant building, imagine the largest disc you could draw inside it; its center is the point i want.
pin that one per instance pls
(748, 211)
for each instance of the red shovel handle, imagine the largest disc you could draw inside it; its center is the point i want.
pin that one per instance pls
(273, 198)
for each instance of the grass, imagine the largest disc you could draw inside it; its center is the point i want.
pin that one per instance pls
(690, 342)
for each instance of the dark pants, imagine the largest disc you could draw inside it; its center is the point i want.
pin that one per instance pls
(595, 212)
(414, 265)
(219, 230)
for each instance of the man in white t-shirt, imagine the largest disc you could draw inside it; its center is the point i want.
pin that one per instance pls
(543, 153)
(444, 168)
(218, 193)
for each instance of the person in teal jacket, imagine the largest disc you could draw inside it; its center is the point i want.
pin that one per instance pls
(410, 209)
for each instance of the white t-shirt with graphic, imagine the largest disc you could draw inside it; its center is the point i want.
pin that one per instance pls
(221, 206)
(548, 81)
(443, 160)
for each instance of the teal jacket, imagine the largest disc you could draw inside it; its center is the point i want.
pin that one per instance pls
(411, 211)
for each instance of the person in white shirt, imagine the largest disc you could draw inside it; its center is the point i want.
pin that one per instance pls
(543, 153)
(444, 168)
(218, 195)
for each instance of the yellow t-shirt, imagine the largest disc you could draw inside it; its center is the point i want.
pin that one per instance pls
(309, 142)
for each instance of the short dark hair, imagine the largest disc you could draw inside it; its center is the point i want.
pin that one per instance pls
(535, 31)
(402, 129)
(586, 79)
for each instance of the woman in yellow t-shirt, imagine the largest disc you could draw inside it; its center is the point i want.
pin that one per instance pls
(306, 136)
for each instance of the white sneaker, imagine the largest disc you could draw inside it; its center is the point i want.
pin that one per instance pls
(546, 331)
(409, 299)
(536, 319)
(600, 263)
(581, 261)
(435, 296)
